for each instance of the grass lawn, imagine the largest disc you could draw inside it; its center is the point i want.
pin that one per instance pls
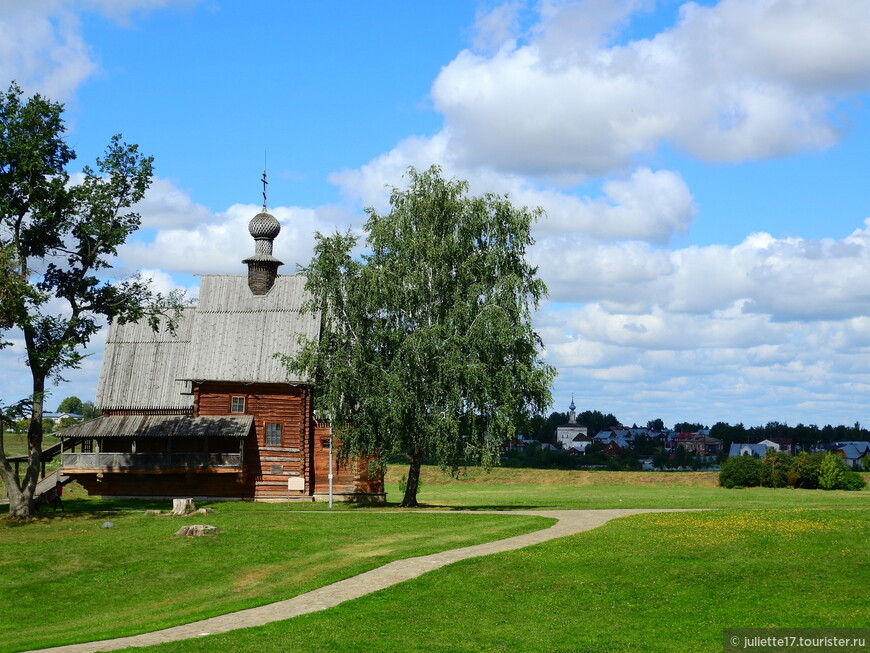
(15, 444)
(667, 582)
(504, 489)
(66, 579)
(652, 582)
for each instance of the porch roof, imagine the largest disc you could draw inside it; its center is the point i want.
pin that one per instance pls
(161, 426)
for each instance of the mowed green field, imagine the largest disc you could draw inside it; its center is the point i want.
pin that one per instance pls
(648, 583)
(668, 582)
(67, 579)
(505, 489)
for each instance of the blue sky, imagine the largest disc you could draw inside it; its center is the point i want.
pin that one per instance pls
(702, 166)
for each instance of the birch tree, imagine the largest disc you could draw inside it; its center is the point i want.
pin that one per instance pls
(427, 348)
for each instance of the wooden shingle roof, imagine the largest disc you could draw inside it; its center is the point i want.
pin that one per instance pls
(161, 426)
(236, 334)
(140, 367)
(230, 335)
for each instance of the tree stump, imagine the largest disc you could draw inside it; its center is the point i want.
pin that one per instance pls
(197, 530)
(182, 506)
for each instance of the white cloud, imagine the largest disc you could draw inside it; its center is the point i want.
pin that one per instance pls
(789, 279)
(42, 45)
(494, 27)
(740, 80)
(164, 283)
(578, 269)
(646, 205)
(813, 45)
(370, 184)
(768, 329)
(165, 205)
(218, 244)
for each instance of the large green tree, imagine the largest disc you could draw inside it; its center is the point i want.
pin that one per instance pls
(427, 347)
(71, 405)
(55, 239)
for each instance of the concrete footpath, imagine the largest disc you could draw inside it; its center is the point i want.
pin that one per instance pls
(570, 522)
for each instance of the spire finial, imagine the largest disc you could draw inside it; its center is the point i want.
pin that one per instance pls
(265, 183)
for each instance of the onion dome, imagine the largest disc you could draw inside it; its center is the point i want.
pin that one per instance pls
(262, 266)
(264, 225)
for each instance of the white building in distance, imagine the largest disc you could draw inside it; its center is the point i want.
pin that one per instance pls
(567, 433)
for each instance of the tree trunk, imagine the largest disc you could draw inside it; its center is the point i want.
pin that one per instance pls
(183, 507)
(410, 498)
(20, 492)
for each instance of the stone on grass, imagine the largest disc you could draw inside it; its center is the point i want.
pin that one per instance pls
(108, 524)
(197, 530)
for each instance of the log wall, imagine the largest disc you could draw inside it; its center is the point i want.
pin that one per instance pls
(267, 467)
(303, 454)
(347, 479)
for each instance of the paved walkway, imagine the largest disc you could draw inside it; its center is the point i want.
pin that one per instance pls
(570, 522)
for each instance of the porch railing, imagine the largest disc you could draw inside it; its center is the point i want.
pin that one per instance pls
(150, 461)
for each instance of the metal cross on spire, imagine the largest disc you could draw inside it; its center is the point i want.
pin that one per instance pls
(265, 183)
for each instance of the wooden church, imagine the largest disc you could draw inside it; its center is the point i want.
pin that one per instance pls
(209, 411)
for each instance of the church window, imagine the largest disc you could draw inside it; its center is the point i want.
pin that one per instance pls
(273, 434)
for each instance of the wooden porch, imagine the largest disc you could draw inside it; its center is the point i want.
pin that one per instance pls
(164, 463)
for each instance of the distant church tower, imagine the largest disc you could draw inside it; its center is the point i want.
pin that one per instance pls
(572, 416)
(572, 434)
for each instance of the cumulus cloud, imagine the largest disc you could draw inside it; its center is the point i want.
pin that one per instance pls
(370, 184)
(43, 48)
(571, 102)
(788, 279)
(579, 269)
(165, 205)
(794, 378)
(164, 283)
(494, 27)
(645, 205)
(219, 244)
(740, 80)
(771, 328)
(648, 205)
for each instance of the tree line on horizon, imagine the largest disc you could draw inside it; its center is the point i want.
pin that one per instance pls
(543, 429)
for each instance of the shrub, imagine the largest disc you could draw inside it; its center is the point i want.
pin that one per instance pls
(827, 471)
(832, 473)
(774, 469)
(854, 481)
(613, 465)
(740, 471)
(805, 468)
